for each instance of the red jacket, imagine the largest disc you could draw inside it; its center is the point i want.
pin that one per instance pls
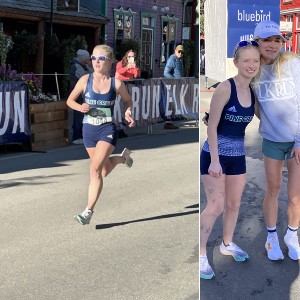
(125, 73)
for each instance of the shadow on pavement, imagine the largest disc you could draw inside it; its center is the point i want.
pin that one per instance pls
(61, 156)
(110, 225)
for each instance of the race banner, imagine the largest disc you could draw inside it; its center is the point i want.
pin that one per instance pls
(14, 112)
(154, 99)
(243, 16)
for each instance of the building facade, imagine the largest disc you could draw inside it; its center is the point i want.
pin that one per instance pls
(159, 25)
(290, 24)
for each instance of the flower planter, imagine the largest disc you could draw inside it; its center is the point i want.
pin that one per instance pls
(49, 124)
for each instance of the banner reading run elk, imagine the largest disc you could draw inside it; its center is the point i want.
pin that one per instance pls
(156, 98)
(14, 112)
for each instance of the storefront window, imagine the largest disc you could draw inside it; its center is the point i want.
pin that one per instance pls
(124, 24)
(169, 28)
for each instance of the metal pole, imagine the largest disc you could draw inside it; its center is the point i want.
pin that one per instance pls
(57, 86)
(51, 18)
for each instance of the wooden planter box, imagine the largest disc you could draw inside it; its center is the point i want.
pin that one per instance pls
(49, 124)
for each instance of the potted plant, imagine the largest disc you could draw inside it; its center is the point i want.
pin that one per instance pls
(6, 44)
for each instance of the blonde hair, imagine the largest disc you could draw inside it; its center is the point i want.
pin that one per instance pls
(107, 49)
(281, 58)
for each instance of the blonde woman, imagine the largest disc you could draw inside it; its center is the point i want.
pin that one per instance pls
(222, 161)
(99, 132)
(277, 88)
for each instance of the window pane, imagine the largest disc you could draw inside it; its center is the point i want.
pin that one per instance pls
(165, 31)
(128, 27)
(172, 32)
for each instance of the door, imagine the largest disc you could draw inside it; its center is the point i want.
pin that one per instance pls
(146, 57)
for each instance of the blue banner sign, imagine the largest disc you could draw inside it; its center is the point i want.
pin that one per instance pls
(243, 16)
(14, 112)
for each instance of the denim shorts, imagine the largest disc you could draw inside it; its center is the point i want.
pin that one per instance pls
(93, 134)
(277, 150)
(231, 165)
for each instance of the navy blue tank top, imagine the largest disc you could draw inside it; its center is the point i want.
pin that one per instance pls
(233, 122)
(101, 105)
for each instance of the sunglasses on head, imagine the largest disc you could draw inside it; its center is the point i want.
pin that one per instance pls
(180, 51)
(242, 44)
(101, 57)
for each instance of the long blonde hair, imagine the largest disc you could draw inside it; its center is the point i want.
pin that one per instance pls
(281, 58)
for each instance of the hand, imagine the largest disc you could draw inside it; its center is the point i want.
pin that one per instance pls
(131, 65)
(85, 108)
(215, 169)
(129, 119)
(205, 120)
(296, 152)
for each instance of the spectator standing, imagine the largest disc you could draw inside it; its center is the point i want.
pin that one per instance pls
(127, 69)
(174, 69)
(79, 66)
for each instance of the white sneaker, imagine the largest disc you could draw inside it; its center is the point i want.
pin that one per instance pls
(206, 272)
(236, 252)
(128, 160)
(85, 217)
(292, 242)
(273, 248)
(78, 142)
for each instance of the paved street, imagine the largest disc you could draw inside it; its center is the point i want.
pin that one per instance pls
(258, 278)
(142, 242)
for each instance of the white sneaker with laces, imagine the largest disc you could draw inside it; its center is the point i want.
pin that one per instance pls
(292, 242)
(128, 160)
(206, 272)
(85, 217)
(272, 246)
(235, 251)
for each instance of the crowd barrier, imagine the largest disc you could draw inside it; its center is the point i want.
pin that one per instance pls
(153, 100)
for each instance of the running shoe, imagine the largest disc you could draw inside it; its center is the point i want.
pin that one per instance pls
(292, 242)
(128, 160)
(170, 126)
(273, 248)
(85, 217)
(206, 272)
(236, 252)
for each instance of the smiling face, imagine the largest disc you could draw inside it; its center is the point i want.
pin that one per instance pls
(269, 48)
(247, 61)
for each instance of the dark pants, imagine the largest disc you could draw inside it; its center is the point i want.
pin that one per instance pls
(77, 125)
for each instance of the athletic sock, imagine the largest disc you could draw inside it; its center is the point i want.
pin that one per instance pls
(271, 230)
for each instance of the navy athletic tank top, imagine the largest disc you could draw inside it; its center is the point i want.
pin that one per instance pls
(233, 122)
(101, 105)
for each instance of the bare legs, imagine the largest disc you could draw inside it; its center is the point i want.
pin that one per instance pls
(273, 169)
(293, 211)
(101, 165)
(223, 195)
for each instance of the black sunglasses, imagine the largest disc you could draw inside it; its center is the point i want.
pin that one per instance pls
(242, 44)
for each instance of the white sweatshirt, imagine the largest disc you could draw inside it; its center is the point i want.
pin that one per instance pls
(279, 102)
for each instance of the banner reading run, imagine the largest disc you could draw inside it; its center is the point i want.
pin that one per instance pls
(158, 97)
(14, 112)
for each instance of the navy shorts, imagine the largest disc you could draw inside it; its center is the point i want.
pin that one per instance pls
(93, 134)
(231, 165)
